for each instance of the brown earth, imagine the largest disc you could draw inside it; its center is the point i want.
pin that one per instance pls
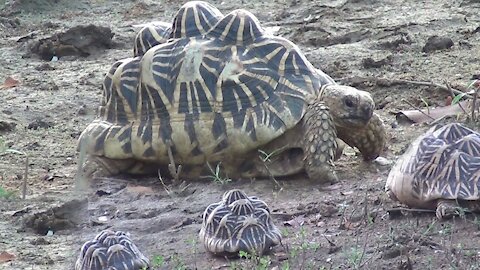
(347, 225)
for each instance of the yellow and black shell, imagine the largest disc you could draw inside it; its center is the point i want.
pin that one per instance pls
(111, 250)
(444, 163)
(238, 223)
(195, 18)
(225, 92)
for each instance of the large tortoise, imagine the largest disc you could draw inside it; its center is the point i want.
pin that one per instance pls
(440, 170)
(238, 223)
(220, 95)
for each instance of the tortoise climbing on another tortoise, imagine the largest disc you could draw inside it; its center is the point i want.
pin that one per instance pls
(238, 223)
(440, 170)
(111, 250)
(222, 96)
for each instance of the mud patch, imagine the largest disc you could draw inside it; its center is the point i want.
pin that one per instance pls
(56, 218)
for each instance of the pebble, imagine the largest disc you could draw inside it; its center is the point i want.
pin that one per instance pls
(435, 43)
(383, 161)
(7, 125)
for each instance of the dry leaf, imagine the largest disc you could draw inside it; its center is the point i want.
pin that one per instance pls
(417, 116)
(448, 101)
(6, 257)
(139, 189)
(9, 83)
(295, 222)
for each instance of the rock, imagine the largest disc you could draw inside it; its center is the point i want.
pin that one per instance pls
(80, 41)
(370, 62)
(39, 123)
(82, 110)
(435, 43)
(6, 126)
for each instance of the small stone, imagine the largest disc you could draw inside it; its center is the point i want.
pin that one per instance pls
(376, 63)
(388, 99)
(6, 126)
(435, 43)
(382, 161)
(39, 123)
(103, 219)
(82, 110)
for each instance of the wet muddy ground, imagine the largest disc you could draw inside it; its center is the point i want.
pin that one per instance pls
(348, 225)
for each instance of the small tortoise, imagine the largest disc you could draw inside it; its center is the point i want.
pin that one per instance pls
(195, 18)
(440, 170)
(222, 95)
(111, 250)
(238, 223)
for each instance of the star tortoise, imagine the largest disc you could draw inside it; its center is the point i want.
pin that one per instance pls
(238, 223)
(111, 250)
(221, 90)
(440, 170)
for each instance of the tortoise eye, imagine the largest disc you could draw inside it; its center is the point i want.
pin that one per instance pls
(349, 103)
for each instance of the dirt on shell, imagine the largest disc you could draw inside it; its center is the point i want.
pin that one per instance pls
(347, 225)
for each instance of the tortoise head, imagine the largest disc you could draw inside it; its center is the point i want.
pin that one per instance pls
(349, 107)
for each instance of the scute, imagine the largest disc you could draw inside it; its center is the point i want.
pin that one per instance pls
(194, 18)
(151, 35)
(238, 27)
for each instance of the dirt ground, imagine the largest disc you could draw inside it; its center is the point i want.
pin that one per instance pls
(348, 225)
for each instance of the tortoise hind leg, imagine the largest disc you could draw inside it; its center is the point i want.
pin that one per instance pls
(96, 166)
(319, 144)
(449, 208)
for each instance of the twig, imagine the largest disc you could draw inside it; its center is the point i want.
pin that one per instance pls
(174, 170)
(474, 103)
(270, 174)
(410, 210)
(175, 188)
(24, 187)
(80, 177)
(167, 189)
(416, 108)
(25, 176)
(388, 82)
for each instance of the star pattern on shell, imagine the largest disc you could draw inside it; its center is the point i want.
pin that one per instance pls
(238, 223)
(111, 250)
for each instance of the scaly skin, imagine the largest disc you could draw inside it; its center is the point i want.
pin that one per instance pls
(370, 140)
(319, 144)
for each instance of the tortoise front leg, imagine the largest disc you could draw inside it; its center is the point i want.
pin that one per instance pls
(370, 140)
(319, 144)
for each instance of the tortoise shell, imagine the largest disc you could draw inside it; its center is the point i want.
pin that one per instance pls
(111, 250)
(444, 163)
(194, 18)
(238, 223)
(223, 93)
